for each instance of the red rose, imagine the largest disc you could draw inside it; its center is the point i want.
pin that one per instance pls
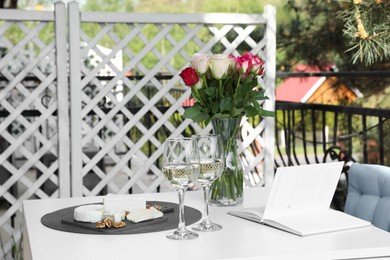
(189, 76)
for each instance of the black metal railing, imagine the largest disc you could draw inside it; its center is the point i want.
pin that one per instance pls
(310, 133)
(314, 133)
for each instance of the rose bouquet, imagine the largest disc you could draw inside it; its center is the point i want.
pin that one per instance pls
(225, 88)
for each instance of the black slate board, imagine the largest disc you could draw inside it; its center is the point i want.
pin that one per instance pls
(62, 220)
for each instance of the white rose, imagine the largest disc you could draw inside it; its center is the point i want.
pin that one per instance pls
(200, 62)
(219, 65)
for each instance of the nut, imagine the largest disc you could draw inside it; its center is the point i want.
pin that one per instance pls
(108, 222)
(119, 224)
(100, 224)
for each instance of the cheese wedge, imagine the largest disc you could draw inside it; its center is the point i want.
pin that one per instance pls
(121, 203)
(144, 214)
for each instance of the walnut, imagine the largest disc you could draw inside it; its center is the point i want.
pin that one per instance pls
(100, 224)
(119, 224)
(108, 222)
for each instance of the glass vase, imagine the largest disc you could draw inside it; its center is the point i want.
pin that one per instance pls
(227, 190)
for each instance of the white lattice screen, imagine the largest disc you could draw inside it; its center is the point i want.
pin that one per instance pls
(29, 108)
(121, 70)
(122, 121)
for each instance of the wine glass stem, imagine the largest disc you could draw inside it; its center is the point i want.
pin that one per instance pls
(182, 224)
(206, 217)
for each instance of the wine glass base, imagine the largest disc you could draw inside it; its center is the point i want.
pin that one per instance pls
(206, 227)
(182, 235)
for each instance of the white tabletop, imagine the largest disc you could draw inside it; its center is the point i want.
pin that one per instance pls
(239, 238)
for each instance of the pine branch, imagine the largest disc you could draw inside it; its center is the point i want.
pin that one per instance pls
(367, 26)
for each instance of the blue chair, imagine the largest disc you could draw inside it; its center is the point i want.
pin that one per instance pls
(368, 195)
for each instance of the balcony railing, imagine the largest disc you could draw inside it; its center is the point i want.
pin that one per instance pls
(314, 133)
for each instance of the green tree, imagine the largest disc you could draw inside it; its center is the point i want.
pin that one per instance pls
(108, 5)
(315, 36)
(367, 25)
(22, 4)
(311, 35)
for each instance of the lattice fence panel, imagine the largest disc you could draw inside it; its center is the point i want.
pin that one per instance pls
(126, 99)
(28, 116)
(131, 97)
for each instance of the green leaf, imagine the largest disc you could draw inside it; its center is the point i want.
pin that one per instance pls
(195, 114)
(201, 108)
(239, 102)
(210, 92)
(260, 95)
(263, 112)
(204, 95)
(235, 112)
(201, 117)
(191, 112)
(214, 107)
(251, 111)
(221, 116)
(253, 83)
(256, 105)
(242, 90)
(226, 104)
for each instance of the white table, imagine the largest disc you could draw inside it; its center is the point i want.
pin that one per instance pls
(239, 239)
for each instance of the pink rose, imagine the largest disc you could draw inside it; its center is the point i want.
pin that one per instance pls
(249, 64)
(257, 66)
(245, 62)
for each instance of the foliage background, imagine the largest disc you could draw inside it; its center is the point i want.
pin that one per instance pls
(309, 31)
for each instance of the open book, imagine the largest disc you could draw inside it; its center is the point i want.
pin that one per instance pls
(299, 201)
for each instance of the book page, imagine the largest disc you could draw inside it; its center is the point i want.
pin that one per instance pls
(253, 214)
(301, 189)
(321, 221)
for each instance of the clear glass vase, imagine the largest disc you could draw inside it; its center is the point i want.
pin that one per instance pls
(227, 190)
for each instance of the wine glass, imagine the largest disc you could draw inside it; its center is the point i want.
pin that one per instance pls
(181, 167)
(211, 156)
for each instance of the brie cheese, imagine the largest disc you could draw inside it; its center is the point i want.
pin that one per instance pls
(89, 213)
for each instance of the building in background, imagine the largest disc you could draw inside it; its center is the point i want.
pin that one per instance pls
(316, 89)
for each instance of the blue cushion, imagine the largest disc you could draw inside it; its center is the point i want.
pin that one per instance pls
(369, 194)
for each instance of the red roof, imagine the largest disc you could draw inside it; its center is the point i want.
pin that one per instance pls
(189, 102)
(299, 89)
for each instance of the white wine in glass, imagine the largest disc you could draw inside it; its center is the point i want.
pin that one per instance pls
(181, 167)
(211, 158)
